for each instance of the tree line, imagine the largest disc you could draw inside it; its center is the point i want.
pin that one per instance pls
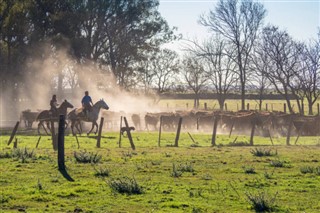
(125, 39)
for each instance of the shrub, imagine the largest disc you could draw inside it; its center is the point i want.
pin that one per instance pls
(102, 172)
(278, 163)
(261, 202)
(260, 152)
(306, 169)
(23, 154)
(187, 167)
(125, 186)
(317, 170)
(87, 157)
(175, 171)
(249, 170)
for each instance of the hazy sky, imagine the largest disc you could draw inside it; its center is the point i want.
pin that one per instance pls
(301, 18)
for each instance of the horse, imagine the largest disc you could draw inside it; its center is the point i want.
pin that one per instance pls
(76, 116)
(47, 116)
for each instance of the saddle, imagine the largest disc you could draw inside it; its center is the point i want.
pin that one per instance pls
(81, 112)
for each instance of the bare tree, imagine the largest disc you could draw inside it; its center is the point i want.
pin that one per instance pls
(220, 68)
(238, 22)
(283, 55)
(165, 66)
(259, 65)
(195, 76)
(309, 75)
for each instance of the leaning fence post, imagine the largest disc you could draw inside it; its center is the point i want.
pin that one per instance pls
(61, 164)
(178, 133)
(99, 132)
(129, 133)
(13, 132)
(289, 132)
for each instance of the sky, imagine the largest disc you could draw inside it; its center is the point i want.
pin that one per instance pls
(301, 18)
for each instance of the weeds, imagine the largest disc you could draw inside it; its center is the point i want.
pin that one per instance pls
(260, 152)
(102, 172)
(187, 167)
(311, 170)
(125, 186)
(175, 171)
(87, 157)
(249, 170)
(262, 202)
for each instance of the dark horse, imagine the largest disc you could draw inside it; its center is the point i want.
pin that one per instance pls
(46, 115)
(76, 116)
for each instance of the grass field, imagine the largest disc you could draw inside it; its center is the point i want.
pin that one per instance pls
(193, 177)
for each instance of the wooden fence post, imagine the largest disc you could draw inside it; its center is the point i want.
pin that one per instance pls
(53, 136)
(285, 108)
(176, 143)
(13, 132)
(99, 132)
(266, 107)
(205, 106)
(159, 139)
(120, 135)
(61, 129)
(253, 123)
(248, 106)
(129, 133)
(225, 107)
(289, 132)
(214, 133)
(15, 143)
(187, 105)
(318, 106)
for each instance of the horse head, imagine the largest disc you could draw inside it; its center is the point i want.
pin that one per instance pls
(102, 104)
(66, 105)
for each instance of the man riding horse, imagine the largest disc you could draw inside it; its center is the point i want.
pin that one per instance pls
(53, 105)
(86, 103)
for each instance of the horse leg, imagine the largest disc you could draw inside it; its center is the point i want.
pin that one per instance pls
(91, 128)
(96, 124)
(77, 127)
(39, 125)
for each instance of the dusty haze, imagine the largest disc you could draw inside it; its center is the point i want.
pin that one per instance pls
(40, 82)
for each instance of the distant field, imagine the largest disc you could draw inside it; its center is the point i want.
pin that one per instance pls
(233, 105)
(193, 177)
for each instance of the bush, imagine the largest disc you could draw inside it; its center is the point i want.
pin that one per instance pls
(23, 154)
(260, 152)
(306, 169)
(261, 202)
(87, 157)
(102, 172)
(186, 167)
(175, 171)
(249, 170)
(125, 186)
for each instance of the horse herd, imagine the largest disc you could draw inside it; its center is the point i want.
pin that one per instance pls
(241, 122)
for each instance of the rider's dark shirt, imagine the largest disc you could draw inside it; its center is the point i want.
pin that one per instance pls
(86, 100)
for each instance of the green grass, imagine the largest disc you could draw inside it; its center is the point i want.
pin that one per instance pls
(212, 179)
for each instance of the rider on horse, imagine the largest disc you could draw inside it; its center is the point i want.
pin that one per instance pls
(86, 103)
(53, 105)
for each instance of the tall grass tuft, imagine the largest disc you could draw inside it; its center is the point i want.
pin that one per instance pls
(125, 185)
(87, 157)
(175, 171)
(262, 202)
(306, 169)
(23, 154)
(102, 172)
(260, 152)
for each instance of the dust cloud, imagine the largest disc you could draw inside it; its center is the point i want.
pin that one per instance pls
(58, 73)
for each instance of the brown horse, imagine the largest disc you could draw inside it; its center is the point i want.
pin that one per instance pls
(76, 116)
(46, 115)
